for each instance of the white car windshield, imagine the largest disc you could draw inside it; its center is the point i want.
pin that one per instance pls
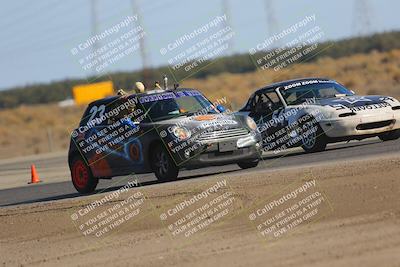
(300, 94)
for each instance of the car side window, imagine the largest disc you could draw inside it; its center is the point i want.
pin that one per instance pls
(291, 98)
(298, 96)
(249, 104)
(273, 97)
(327, 92)
(117, 112)
(266, 102)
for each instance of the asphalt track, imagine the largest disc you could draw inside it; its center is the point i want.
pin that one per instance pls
(295, 158)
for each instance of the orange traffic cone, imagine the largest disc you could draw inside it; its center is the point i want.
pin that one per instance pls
(34, 176)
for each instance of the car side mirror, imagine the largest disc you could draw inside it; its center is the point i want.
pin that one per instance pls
(221, 108)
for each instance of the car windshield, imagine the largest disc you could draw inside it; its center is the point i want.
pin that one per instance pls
(301, 93)
(174, 104)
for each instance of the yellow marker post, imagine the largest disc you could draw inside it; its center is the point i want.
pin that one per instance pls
(86, 93)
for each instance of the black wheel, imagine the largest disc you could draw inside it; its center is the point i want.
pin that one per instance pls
(313, 138)
(248, 164)
(163, 166)
(388, 136)
(82, 177)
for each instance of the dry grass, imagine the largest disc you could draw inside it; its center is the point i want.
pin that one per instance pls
(24, 130)
(375, 73)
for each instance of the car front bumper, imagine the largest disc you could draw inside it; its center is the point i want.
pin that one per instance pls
(248, 149)
(361, 125)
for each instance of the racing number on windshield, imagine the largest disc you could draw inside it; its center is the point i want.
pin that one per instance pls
(96, 110)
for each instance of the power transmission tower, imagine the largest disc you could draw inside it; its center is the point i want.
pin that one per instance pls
(362, 18)
(227, 11)
(93, 11)
(142, 44)
(272, 21)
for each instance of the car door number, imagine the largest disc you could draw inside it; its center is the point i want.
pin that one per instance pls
(96, 110)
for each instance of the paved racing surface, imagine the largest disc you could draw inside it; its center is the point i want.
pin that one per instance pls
(65, 189)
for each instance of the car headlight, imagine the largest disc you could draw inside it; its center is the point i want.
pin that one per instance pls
(251, 123)
(326, 113)
(181, 133)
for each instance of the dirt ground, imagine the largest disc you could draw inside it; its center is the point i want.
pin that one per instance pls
(357, 224)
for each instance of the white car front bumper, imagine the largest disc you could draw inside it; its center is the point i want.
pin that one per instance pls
(361, 124)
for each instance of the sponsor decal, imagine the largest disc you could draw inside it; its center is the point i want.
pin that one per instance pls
(156, 97)
(387, 98)
(218, 123)
(167, 95)
(205, 118)
(370, 107)
(135, 151)
(302, 83)
(352, 100)
(338, 106)
(363, 107)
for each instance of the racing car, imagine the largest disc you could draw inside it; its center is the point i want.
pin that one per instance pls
(160, 131)
(312, 112)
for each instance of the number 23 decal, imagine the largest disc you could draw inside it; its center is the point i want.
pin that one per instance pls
(95, 110)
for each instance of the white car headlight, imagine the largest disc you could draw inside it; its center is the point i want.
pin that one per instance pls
(181, 133)
(251, 123)
(325, 113)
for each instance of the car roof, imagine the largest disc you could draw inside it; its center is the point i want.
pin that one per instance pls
(287, 82)
(110, 99)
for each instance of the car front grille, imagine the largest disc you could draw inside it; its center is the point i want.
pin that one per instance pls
(222, 134)
(374, 125)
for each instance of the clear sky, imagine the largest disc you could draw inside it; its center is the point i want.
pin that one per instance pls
(37, 36)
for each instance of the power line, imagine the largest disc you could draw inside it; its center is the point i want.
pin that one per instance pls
(142, 43)
(43, 31)
(24, 17)
(93, 13)
(49, 42)
(227, 11)
(272, 21)
(52, 28)
(362, 17)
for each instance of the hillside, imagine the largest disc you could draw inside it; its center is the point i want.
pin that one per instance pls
(238, 63)
(25, 130)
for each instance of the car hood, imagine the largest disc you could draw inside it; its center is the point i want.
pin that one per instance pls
(360, 105)
(356, 101)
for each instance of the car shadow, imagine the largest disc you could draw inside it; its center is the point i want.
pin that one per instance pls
(106, 190)
(69, 187)
(292, 154)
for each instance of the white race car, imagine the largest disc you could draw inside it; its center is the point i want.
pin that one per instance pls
(313, 112)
